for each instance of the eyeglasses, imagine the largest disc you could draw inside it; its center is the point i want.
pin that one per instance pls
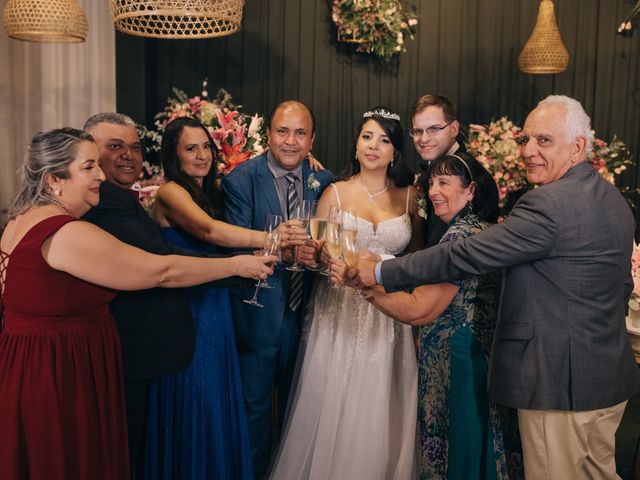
(430, 131)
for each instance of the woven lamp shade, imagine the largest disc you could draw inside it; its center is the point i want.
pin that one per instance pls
(544, 52)
(45, 21)
(177, 19)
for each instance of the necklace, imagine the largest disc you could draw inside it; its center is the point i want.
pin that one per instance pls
(374, 195)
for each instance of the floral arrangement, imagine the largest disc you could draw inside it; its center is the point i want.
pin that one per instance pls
(495, 147)
(634, 301)
(610, 159)
(377, 26)
(237, 136)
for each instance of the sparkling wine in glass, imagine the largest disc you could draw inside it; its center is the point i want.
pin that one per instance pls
(271, 227)
(350, 252)
(317, 227)
(333, 235)
(302, 214)
(271, 247)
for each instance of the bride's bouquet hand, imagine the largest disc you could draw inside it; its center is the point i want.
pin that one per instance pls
(254, 266)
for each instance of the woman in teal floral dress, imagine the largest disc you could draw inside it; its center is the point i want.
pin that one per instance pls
(461, 433)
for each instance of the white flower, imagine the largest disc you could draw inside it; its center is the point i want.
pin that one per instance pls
(412, 22)
(399, 39)
(313, 183)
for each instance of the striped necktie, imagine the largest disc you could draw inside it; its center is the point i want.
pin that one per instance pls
(293, 204)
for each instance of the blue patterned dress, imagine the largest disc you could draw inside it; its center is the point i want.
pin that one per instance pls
(197, 427)
(461, 433)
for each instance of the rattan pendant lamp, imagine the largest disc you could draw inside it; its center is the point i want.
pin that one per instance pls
(177, 19)
(544, 52)
(45, 21)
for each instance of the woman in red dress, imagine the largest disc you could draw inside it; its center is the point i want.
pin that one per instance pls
(61, 390)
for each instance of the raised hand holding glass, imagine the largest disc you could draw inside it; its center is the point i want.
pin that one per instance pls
(301, 215)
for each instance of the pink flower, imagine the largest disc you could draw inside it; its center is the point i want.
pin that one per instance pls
(225, 119)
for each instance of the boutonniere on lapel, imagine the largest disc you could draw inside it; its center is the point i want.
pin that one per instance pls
(313, 183)
(421, 199)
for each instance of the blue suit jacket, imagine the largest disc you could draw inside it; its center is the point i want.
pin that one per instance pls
(250, 195)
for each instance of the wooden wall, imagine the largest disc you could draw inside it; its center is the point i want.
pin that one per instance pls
(465, 49)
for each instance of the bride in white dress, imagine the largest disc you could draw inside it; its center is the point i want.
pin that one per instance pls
(353, 411)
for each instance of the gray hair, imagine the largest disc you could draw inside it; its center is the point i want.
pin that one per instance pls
(108, 117)
(577, 122)
(50, 153)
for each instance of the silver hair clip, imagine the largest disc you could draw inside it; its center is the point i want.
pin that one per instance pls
(380, 112)
(466, 165)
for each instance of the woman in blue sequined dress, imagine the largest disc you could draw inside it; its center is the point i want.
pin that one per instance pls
(197, 427)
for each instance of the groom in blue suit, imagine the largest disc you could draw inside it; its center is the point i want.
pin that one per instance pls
(268, 337)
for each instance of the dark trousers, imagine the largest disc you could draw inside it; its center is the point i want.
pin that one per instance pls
(264, 371)
(136, 402)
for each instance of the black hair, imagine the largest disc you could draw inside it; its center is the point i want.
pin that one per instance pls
(485, 197)
(207, 197)
(397, 170)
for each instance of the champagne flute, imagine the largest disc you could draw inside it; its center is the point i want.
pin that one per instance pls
(317, 227)
(333, 235)
(271, 227)
(301, 214)
(350, 252)
(271, 247)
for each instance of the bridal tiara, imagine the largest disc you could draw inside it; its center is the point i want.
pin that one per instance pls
(381, 112)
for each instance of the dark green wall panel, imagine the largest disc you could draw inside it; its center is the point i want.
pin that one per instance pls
(465, 49)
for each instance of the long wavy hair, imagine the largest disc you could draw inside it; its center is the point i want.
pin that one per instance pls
(397, 170)
(208, 197)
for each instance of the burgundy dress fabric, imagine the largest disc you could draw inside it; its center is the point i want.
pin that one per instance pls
(62, 413)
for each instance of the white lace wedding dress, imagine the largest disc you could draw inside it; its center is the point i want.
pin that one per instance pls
(353, 412)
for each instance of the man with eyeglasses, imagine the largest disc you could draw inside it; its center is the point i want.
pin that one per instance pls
(434, 130)
(560, 352)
